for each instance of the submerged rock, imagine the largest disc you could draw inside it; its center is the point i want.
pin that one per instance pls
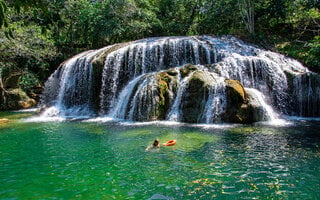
(160, 196)
(4, 121)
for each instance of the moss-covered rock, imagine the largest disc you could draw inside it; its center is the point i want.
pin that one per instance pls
(240, 108)
(98, 60)
(172, 72)
(186, 69)
(195, 96)
(163, 88)
(167, 82)
(17, 99)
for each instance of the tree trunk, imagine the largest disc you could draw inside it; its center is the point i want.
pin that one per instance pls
(247, 13)
(2, 95)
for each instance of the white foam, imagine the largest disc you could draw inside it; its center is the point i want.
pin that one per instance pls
(27, 110)
(165, 123)
(275, 122)
(100, 119)
(215, 126)
(44, 119)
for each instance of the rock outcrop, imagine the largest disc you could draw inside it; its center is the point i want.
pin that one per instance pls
(193, 101)
(16, 99)
(12, 97)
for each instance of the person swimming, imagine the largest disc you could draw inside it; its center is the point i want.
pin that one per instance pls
(156, 144)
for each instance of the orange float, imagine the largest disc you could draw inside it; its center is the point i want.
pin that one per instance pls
(169, 143)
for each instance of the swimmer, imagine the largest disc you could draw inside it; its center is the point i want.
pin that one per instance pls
(156, 144)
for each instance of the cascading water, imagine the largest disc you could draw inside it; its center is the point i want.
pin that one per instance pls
(266, 112)
(175, 112)
(216, 103)
(259, 73)
(145, 56)
(68, 91)
(306, 91)
(148, 80)
(121, 109)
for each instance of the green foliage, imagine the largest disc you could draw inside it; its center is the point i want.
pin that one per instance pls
(3, 12)
(27, 55)
(18, 5)
(308, 52)
(313, 58)
(219, 17)
(28, 81)
(37, 35)
(85, 24)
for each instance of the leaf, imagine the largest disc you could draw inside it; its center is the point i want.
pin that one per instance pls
(10, 33)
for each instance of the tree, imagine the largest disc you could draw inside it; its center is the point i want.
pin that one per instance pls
(247, 13)
(26, 56)
(17, 5)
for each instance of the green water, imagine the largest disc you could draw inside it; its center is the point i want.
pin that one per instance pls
(91, 160)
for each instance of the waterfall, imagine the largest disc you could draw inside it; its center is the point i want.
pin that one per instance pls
(259, 73)
(147, 56)
(143, 105)
(267, 113)
(110, 79)
(216, 103)
(69, 89)
(149, 79)
(175, 112)
(121, 108)
(306, 93)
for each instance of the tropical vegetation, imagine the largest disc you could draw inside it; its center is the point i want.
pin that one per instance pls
(37, 35)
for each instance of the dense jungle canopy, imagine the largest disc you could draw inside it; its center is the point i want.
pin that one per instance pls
(37, 35)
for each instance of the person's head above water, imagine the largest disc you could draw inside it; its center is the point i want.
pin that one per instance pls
(156, 143)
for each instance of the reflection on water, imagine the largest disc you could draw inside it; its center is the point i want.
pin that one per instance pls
(107, 160)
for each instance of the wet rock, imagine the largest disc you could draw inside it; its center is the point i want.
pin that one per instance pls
(235, 91)
(235, 95)
(195, 97)
(172, 72)
(242, 106)
(97, 67)
(186, 69)
(164, 80)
